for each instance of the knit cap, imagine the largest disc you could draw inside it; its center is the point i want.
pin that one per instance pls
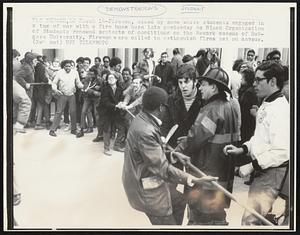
(154, 97)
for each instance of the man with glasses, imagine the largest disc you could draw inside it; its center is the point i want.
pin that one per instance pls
(267, 150)
(251, 58)
(274, 56)
(106, 60)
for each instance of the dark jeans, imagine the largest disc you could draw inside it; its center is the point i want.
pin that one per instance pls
(32, 117)
(161, 220)
(120, 139)
(100, 122)
(86, 113)
(79, 103)
(42, 108)
(66, 114)
(61, 104)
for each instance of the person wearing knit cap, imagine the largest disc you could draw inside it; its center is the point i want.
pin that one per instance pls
(24, 76)
(146, 170)
(183, 108)
(216, 125)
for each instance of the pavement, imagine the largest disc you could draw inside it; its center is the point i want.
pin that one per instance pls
(67, 182)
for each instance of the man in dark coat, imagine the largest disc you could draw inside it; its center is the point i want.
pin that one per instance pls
(165, 72)
(216, 125)
(183, 108)
(247, 98)
(146, 170)
(39, 94)
(111, 97)
(24, 76)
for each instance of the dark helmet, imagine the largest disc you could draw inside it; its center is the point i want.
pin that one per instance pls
(218, 76)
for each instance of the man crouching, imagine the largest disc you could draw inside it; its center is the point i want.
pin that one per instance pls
(146, 170)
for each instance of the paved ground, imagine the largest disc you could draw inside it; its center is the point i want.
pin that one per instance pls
(68, 182)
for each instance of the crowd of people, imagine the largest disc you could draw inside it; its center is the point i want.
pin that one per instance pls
(228, 123)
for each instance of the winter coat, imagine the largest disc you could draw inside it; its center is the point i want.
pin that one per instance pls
(177, 114)
(40, 76)
(247, 98)
(176, 62)
(166, 73)
(25, 75)
(145, 158)
(217, 125)
(108, 102)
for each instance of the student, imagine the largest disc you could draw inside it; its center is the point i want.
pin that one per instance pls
(111, 96)
(268, 149)
(64, 84)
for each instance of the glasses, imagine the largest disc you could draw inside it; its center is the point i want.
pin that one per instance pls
(106, 61)
(257, 79)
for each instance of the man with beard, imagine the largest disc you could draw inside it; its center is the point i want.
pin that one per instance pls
(183, 108)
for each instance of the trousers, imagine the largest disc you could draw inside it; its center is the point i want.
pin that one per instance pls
(262, 193)
(61, 103)
(21, 104)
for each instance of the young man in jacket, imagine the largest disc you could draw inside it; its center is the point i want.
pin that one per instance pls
(165, 73)
(268, 149)
(146, 170)
(216, 125)
(39, 93)
(91, 98)
(183, 108)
